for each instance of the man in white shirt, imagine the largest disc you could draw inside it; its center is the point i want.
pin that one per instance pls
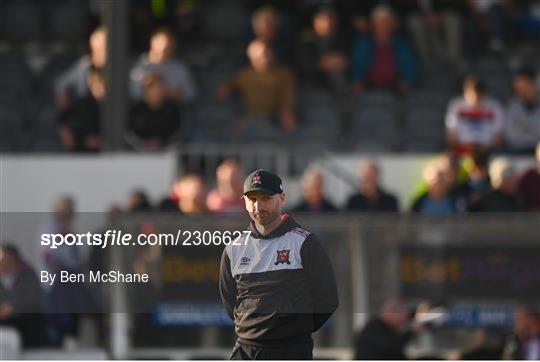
(474, 120)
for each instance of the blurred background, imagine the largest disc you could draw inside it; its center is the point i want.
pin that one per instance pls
(406, 132)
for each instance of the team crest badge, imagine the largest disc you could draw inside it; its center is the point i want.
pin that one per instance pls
(282, 257)
(256, 180)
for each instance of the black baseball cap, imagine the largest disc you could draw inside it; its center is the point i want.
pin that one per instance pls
(263, 181)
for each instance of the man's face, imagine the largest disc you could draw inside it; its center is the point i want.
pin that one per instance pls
(260, 56)
(98, 48)
(161, 47)
(229, 178)
(472, 96)
(324, 24)
(262, 208)
(524, 87)
(313, 189)
(383, 27)
(266, 27)
(369, 174)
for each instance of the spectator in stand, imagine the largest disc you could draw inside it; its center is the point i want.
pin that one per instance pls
(436, 27)
(386, 336)
(20, 298)
(138, 201)
(73, 84)
(522, 126)
(488, 21)
(384, 59)
(267, 90)
(474, 120)
(155, 118)
(468, 192)
(529, 186)
(360, 12)
(437, 200)
(454, 170)
(188, 195)
(179, 83)
(227, 196)
(372, 197)
(502, 198)
(63, 301)
(524, 342)
(267, 27)
(79, 125)
(324, 52)
(528, 18)
(313, 191)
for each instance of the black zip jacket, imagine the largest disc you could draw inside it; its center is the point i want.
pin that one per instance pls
(277, 288)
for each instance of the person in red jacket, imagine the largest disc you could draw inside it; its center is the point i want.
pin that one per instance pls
(529, 186)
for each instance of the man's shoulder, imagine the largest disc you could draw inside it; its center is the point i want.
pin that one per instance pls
(388, 196)
(356, 200)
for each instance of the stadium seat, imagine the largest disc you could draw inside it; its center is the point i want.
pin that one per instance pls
(379, 99)
(437, 76)
(213, 121)
(67, 21)
(20, 21)
(427, 98)
(55, 66)
(224, 21)
(440, 83)
(424, 129)
(16, 80)
(492, 66)
(309, 95)
(320, 123)
(44, 135)
(375, 125)
(499, 87)
(10, 129)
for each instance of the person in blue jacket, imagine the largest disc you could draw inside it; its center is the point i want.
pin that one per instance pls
(383, 59)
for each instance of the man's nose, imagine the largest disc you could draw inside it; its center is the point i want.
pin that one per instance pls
(257, 205)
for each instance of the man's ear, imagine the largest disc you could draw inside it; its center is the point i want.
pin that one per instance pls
(282, 198)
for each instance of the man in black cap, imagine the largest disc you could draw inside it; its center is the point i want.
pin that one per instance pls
(277, 284)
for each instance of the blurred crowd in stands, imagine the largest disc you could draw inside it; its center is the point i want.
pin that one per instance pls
(449, 185)
(47, 315)
(354, 73)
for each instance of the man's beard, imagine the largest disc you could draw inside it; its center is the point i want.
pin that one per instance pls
(264, 218)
